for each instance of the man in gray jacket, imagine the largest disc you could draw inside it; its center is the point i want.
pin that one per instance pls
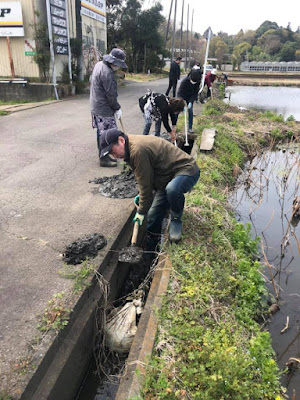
(104, 97)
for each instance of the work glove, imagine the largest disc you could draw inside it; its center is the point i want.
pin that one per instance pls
(118, 113)
(139, 217)
(190, 105)
(137, 200)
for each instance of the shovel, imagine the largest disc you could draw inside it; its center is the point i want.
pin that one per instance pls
(132, 254)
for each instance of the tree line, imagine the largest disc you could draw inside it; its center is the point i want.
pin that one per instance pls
(141, 33)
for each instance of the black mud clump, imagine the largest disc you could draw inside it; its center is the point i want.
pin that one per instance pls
(117, 186)
(83, 248)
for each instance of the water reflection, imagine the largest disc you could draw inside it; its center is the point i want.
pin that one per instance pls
(265, 197)
(281, 100)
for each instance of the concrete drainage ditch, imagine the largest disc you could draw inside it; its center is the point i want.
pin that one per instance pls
(63, 371)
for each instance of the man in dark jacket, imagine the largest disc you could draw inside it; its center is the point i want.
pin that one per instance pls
(188, 91)
(104, 97)
(158, 107)
(159, 168)
(174, 76)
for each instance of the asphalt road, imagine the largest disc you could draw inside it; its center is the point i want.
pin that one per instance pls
(48, 155)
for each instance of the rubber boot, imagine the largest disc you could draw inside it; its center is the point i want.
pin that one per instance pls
(107, 162)
(175, 229)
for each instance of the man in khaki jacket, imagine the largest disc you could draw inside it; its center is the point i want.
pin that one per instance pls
(163, 173)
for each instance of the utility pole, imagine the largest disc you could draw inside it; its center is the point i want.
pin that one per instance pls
(181, 27)
(191, 34)
(167, 31)
(187, 36)
(79, 37)
(174, 29)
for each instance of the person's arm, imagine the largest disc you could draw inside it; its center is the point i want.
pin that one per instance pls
(110, 87)
(163, 106)
(144, 175)
(178, 71)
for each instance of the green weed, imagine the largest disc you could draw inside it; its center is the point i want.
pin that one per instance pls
(56, 315)
(80, 276)
(272, 116)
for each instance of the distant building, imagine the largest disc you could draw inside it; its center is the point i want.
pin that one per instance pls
(17, 21)
(270, 66)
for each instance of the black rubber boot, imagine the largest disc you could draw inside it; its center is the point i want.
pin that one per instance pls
(106, 161)
(175, 229)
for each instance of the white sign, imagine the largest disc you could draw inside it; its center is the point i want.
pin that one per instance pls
(95, 9)
(30, 48)
(11, 20)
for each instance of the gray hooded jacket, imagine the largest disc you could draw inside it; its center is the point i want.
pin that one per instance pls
(103, 91)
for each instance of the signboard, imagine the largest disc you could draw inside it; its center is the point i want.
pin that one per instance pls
(95, 9)
(59, 26)
(11, 20)
(30, 49)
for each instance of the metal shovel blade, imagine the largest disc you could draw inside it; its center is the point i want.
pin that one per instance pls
(132, 254)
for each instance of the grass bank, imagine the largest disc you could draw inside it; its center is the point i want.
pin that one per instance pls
(210, 345)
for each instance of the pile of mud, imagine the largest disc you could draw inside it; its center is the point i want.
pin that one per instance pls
(117, 186)
(83, 248)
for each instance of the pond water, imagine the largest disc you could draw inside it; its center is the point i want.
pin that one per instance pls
(264, 197)
(281, 100)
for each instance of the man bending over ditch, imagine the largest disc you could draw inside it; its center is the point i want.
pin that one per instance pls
(164, 173)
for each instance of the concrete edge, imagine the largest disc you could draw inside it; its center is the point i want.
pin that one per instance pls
(143, 343)
(62, 369)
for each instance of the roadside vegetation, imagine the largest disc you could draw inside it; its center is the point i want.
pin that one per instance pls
(210, 343)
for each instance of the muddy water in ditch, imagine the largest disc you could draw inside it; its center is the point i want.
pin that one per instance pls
(264, 197)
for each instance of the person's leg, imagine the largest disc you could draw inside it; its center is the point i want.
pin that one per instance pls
(208, 92)
(102, 124)
(147, 126)
(169, 87)
(175, 191)
(174, 87)
(157, 127)
(155, 218)
(190, 111)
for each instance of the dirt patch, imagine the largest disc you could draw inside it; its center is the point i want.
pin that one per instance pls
(82, 248)
(117, 186)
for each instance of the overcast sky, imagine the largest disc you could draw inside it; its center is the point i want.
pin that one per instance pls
(232, 15)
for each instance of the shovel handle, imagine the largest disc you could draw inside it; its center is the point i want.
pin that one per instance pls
(135, 233)
(122, 126)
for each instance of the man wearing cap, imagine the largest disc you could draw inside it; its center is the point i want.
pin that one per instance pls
(164, 173)
(104, 97)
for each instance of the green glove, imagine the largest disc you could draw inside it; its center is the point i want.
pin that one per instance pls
(137, 200)
(139, 217)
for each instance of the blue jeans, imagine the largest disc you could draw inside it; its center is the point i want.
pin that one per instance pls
(148, 123)
(171, 198)
(190, 116)
(190, 112)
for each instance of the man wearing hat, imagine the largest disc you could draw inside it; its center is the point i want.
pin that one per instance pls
(164, 173)
(104, 97)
